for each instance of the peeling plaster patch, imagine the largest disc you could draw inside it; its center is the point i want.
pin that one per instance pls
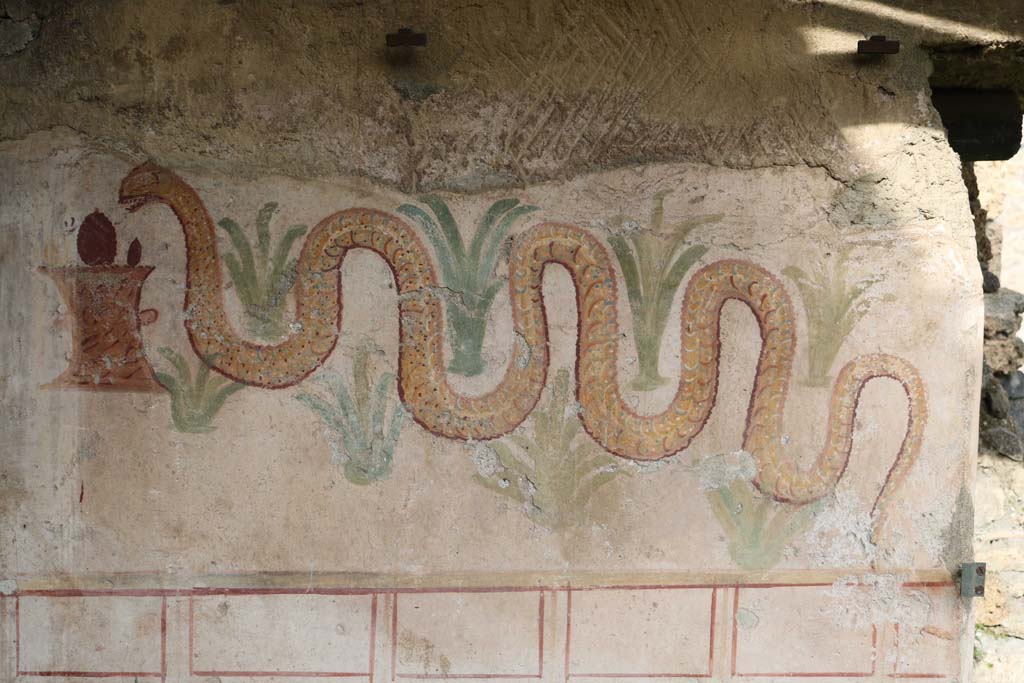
(651, 466)
(523, 351)
(928, 541)
(89, 446)
(717, 471)
(8, 587)
(747, 619)
(863, 601)
(416, 649)
(628, 226)
(841, 535)
(486, 460)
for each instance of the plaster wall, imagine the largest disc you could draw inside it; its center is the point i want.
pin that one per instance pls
(358, 516)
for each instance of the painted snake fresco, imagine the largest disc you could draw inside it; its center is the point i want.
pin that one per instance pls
(435, 405)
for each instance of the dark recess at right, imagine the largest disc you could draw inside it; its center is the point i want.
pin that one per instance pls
(982, 125)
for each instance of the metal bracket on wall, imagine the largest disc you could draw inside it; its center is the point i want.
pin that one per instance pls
(972, 579)
(878, 45)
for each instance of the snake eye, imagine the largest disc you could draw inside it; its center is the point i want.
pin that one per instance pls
(144, 179)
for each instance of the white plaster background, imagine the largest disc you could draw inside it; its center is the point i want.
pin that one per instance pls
(260, 494)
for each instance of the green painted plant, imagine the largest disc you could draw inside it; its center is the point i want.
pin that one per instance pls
(557, 470)
(367, 437)
(468, 275)
(758, 528)
(264, 276)
(833, 307)
(194, 401)
(653, 262)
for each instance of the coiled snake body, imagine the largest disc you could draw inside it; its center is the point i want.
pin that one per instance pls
(435, 405)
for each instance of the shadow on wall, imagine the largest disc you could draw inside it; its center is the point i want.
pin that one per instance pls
(506, 93)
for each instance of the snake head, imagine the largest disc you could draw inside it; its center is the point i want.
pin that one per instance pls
(147, 182)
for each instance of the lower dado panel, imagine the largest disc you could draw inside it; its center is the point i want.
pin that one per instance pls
(839, 631)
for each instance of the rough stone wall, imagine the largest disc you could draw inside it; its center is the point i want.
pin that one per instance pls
(999, 652)
(393, 524)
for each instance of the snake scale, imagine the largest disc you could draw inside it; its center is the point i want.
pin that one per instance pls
(435, 405)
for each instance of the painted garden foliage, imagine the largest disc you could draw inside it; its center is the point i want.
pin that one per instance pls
(197, 395)
(833, 305)
(262, 276)
(553, 469)
(362, 416)
(468, 274)
(654, 259)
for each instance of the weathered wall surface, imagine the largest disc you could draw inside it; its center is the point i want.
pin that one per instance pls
(737, 214)
(999, 652)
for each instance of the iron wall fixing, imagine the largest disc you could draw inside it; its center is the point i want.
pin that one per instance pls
(972, 579)
(878, 45)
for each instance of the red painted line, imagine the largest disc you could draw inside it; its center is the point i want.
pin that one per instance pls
(790, 585)
(76, 593)
(804, 674)
(899, 676)
(208, 591)
(163, 638)
(735, 630)
(540, 637)
(667, 586)
(486, 589)
(654, 675)
(373, 634)
(446, 676)
(568, 630)
(394, 636)
(191, 636)
(711, 647)
(205, 592)
(895, 674)
(284, 674)
(929, 584)
(93, 674)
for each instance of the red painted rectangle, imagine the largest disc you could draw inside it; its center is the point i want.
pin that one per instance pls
(325, 634)
(468, 634)
(94, 633)
(641, 632)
